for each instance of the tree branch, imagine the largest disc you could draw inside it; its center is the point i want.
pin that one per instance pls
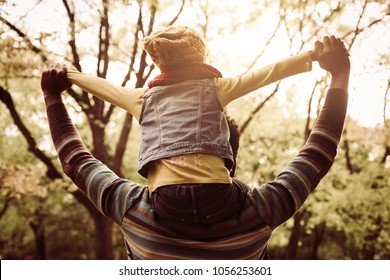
(265, 46)
(141, 78)
(142, 66)
(257, 109)
(72, 42)
(139, 29)
(8, 199)
(103, 59)
(358, 30)
(83, 98)
(356, 33)
(307, 126)
(385, 101)
(122, 144)
(351, 168)
(104, 42)
(178, 14)
(52, 171)
(386, 126)
(23, 35)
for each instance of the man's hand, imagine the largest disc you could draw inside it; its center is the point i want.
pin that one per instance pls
(332, 55)
(334, 58)
(53, 82)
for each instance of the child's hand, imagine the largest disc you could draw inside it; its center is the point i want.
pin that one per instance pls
(318, 48)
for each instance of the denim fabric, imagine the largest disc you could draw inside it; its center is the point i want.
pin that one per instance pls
(198, 204)
(183, 118)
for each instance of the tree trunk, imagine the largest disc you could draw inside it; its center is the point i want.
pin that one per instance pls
(122, 145)
(104, 249)
(40, 243)
(38, 228)
(8, 198)
(318, 235)
(296, 233)
(385, 155)
(99, 150)
(370, 239)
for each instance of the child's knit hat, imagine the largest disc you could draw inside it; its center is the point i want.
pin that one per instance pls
(175, 46)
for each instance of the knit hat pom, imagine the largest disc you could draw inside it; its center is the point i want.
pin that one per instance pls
(175, 46)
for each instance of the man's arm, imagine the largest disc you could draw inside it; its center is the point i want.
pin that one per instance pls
(110, 194)
(338, 69)
(279, 200)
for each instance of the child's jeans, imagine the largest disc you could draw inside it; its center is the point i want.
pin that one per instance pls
(201, 203)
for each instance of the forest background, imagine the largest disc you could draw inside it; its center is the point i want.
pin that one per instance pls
(43, 215)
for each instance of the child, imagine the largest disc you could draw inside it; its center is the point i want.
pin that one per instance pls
(185, 152)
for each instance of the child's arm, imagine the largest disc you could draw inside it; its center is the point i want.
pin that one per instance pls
(110, 194)
(127, 99)
(232, 88)
(280, 199)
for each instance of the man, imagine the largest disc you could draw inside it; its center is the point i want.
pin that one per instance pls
(244, 235)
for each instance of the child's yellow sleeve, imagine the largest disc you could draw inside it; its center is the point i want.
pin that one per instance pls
(230, 89)
(127, 99)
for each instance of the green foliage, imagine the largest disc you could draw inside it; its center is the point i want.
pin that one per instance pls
(347, 216)
(348, 211)
(272, 139)
(65, 224)
(35, 207)
(69, 228)
(353, 207)
(362, 213)
(16, 239)
(17, 60)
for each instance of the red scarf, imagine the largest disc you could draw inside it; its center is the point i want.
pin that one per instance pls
(195, 71)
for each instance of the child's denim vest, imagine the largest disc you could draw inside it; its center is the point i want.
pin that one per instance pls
(183, 118)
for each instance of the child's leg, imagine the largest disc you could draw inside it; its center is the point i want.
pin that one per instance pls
(202, 203)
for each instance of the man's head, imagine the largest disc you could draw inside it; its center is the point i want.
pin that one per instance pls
(175, 46)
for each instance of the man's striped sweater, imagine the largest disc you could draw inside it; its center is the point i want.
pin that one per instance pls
(243, 236)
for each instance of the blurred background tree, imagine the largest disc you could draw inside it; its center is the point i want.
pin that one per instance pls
(43, 216)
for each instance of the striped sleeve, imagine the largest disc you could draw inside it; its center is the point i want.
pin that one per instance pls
(280, 199)
(111, 195)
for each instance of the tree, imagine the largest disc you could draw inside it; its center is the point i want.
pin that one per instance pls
(96, 112)
(95, 38)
